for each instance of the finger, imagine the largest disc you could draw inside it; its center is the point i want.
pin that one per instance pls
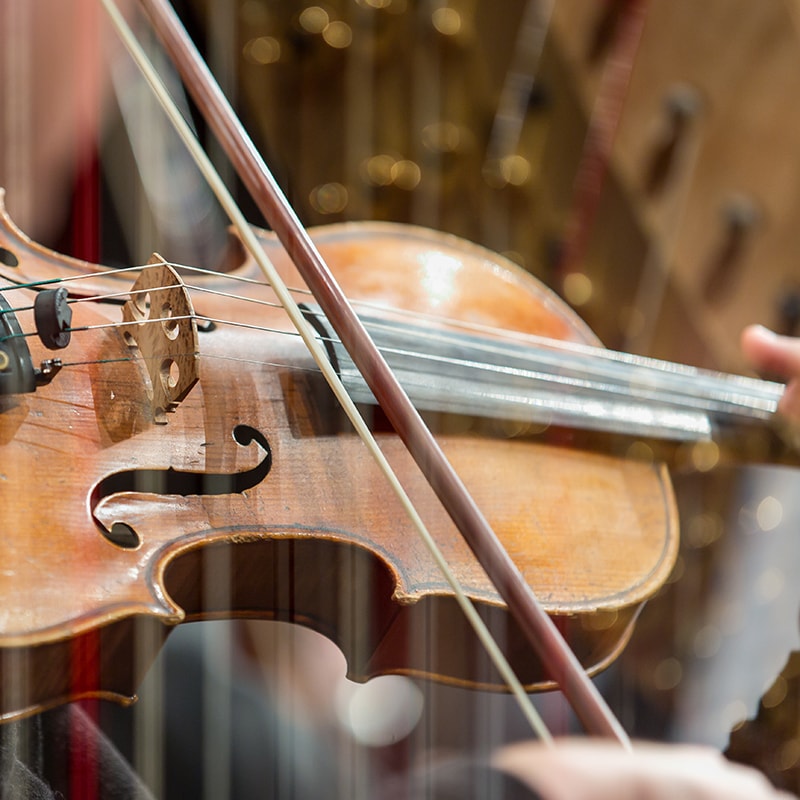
(789, 405)
(771, 353)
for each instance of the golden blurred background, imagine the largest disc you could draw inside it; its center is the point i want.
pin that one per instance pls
(640, 157)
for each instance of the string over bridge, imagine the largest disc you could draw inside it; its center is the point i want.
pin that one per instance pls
(160, 321)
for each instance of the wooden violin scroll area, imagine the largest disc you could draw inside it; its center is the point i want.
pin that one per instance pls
(160, 322)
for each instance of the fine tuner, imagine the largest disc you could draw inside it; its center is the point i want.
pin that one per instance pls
(52, 317)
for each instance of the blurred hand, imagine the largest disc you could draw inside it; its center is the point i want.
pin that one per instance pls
(586, 769)
(776, 355)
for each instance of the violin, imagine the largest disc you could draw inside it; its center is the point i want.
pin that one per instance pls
(217, 444)
(254, 466)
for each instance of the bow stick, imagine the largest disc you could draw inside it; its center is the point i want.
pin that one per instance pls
(539, 630)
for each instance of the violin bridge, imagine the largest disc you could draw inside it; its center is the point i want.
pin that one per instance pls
(159, 320)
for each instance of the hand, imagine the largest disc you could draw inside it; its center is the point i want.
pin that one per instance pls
(584, 769)
(777, 355)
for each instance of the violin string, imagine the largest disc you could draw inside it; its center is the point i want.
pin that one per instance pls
(743, 385)
(41, 282)
(136, 357)
(564, 381)
(650, 382)
(317, 351)
(534, 360)
(533, 342)
(593, 352)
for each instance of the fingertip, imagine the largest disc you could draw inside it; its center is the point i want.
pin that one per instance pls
(789, 405)
(768, 352)
(758, 333)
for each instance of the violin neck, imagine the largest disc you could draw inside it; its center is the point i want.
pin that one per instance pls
(529, 379)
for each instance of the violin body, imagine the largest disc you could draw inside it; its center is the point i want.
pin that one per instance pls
(256, 499)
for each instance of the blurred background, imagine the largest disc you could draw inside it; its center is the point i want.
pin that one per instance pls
(639, 157)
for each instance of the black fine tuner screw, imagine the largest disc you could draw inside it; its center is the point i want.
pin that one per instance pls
(53, 317)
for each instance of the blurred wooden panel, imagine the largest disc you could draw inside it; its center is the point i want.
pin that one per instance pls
(723, 225)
